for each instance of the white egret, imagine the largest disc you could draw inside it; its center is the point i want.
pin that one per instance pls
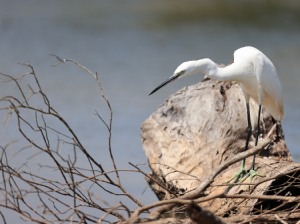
(257, 78)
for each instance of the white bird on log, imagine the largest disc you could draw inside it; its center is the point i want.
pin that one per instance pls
(257, 78)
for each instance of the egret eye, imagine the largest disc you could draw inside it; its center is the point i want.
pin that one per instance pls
(181, 72)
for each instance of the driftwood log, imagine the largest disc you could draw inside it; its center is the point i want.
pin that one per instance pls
(202, 126)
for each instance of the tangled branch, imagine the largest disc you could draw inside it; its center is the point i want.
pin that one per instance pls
(66, 191)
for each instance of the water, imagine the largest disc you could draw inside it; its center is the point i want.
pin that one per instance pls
(134, 46)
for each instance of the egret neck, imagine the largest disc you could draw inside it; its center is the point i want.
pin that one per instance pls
(208, 67)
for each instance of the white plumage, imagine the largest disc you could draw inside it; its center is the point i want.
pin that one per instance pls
(254, 72)
(257, 78)
(268, 90)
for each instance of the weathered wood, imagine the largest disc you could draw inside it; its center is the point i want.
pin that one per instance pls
(200, 127)
(245, 206)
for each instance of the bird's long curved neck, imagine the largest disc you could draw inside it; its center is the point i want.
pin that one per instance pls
(209, 68)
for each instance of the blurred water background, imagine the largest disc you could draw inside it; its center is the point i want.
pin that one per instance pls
(134, 45)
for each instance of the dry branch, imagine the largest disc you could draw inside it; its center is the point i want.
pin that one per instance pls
(169, 204)
(54, 209)
(69, 195)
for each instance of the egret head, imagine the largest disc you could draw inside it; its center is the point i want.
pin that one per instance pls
(183, 70)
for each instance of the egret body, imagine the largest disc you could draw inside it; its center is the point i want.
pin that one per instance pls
(257, 78)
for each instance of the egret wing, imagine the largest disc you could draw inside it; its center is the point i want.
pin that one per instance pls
(268, 79)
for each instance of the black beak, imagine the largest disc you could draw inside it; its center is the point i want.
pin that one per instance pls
(169, 80)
